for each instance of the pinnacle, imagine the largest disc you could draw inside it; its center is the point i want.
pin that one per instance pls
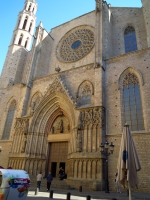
(33, 1)
(41, 24)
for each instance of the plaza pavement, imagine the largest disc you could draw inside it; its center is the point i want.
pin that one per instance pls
(59, 194)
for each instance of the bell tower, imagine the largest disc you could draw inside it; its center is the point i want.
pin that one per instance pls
(22, 35)
(20, 45)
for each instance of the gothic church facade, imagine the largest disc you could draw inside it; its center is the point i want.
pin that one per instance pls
(74, 90)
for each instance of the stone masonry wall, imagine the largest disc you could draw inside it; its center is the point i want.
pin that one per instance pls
(142, 142)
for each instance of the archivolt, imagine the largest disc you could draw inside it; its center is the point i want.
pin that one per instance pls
(47, 107)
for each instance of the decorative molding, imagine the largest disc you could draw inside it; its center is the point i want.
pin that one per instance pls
(125, 55)
(130, 78)
(130, 75)
(58, 86)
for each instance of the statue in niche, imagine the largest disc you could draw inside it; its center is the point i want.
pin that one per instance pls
(61, 126)
(52, 129)
(79, 141)
(26, 126)
(34, 106)
(24, 143)
(68, 127)
(80, 125)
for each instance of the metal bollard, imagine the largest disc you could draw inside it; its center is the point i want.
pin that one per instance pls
(80, 189)
(35, 192)
(68, 195)
(88, 197)
(51, 194)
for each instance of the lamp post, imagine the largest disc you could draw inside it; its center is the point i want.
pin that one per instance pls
(106, 150)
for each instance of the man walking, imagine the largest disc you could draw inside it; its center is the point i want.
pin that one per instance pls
(49, 180)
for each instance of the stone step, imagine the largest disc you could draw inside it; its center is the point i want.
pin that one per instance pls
(56, 183)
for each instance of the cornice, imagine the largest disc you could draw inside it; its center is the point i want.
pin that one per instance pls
(115, 58)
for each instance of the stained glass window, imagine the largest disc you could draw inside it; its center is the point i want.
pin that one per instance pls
(133, 115)
(9, 120)
(130, 39)
(76, 44)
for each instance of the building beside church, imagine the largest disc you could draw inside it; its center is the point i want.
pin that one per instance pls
(74, 89)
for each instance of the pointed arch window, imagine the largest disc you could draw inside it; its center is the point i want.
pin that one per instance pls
(33, 10)
(133, 114)
(30, 27)
(20, 39)
(25, 23)
(9, 120)
(19, 22)
(26, 43)
(29, 7)
(130, 39)
(85, 92)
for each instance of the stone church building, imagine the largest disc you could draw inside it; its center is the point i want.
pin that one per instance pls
(76, 88)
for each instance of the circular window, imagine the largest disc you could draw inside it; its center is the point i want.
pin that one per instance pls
(76, 44)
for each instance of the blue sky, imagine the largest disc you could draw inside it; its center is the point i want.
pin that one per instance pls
(51, 12)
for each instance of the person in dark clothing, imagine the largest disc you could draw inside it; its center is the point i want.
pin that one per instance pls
(63, 176)
(49, 180)
(60, 172)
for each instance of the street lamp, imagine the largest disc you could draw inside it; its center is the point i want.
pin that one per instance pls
(106, 150)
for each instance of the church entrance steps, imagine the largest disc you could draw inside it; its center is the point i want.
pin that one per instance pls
(56, 183)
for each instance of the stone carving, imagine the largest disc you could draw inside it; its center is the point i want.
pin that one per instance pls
(26, 126)
(68, 127)
(80, 125)
(79, 141)
(128, 30)
(76, 44)
(21, 129)
(98, 5)
(56, 87)
(85, 91)
(35, 102)
(93, 116)
(130, 78)
(52, 129)
(61, 126)
(24, 142)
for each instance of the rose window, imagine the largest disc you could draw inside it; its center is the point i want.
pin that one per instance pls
(76, 44)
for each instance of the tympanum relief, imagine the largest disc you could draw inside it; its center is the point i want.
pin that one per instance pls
(61, 125)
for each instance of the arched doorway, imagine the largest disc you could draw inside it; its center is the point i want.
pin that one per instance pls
(58, 131)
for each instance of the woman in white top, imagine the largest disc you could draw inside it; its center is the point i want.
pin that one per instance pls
(39, 179)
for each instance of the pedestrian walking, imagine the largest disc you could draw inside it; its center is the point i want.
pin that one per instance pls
(49, 181)
(39, 179)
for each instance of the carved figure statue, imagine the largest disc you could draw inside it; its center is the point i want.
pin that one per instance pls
(53, 129)
(24, 143)
(69, 127)
(79, 142)
(61, 126)
(80, 126)
(98, 5)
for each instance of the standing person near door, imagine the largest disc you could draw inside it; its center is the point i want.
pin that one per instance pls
(60, 172)
(49, 181)
(39, 179)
